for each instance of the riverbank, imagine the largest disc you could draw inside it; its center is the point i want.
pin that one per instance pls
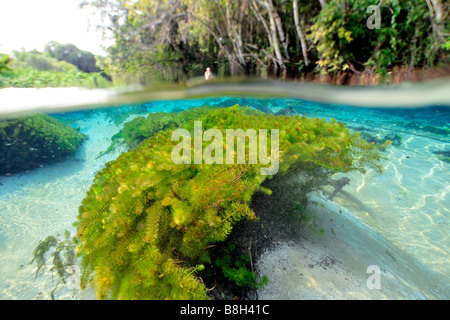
(397, 76)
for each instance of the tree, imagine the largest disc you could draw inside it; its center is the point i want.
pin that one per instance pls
(177, 39)
(406, 37)
(85, 61)
(300, 33)
(4, 61)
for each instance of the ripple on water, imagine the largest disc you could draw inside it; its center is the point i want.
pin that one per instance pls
(409, 204)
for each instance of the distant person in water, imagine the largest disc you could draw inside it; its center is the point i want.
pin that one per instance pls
(208, 74)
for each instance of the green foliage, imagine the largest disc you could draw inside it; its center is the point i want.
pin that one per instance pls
(297, 212)
(40, 251)
(29, 141)
(139, 129)
(446, 45)
(5, 70)
(146, 224)
(332, 37)
(176, 40)
(406, 37)
(443, 155)
(309, 222)
(39, 69)
(85, 61)
(144, 52)
(237, 269)
(383, 143)
(40, 61)
(63, 255)
(30, 78)
(4, 61)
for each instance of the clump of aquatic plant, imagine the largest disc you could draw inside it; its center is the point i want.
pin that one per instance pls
(382, 143)
(40, 251)
(310, 223)
(29, 141)
(147, 225)
(119, 115)
(443, 155)
(141, 128)
(238, 268)
(422, 126)
(63, 256)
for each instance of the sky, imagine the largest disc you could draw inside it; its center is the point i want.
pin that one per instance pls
(30, 24)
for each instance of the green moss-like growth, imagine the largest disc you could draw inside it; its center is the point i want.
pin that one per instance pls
(237, 269)
(30, 141)
(146, 225)
(141, 128)
(382, 143)
(40, 251)
(443, 155)
(63, 258)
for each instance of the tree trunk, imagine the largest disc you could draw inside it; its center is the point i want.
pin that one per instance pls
(437, 15)
(300, 34)
(259, 17)
(276, 44)
(279, 25)
(236, 37)
(323, 3)
(218, 37)
(437, 5)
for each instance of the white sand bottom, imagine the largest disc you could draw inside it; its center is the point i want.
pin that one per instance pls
(335, 265)
(306, 271)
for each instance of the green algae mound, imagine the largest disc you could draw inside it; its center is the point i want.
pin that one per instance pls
(30, 141)
(141, 128)
(147, 225)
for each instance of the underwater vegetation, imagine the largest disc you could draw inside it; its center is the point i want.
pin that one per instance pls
(384, 142)
(30, 141)
(117, 115)
(440, 130)
(63, 254)
(238, 269)
(141, 128)
(443, 155)
(146, 227)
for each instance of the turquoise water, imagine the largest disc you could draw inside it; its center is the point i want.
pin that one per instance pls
(405, 211)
